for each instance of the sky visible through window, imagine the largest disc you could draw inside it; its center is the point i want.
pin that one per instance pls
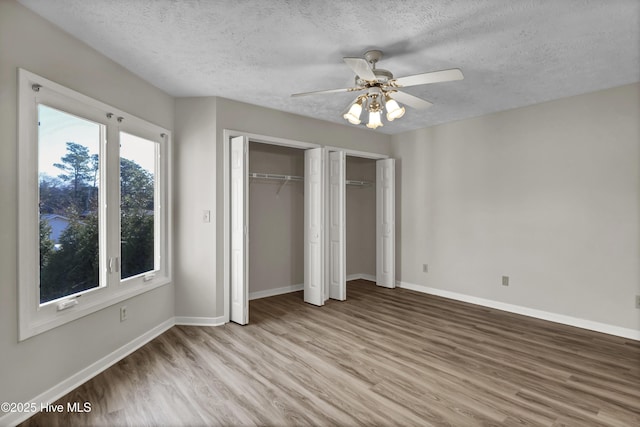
(57, 128)
(139, 150)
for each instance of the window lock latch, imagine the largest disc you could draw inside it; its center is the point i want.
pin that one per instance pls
(63, 305)
(114, 265)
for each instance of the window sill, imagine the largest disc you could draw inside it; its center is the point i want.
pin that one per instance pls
(82, 310)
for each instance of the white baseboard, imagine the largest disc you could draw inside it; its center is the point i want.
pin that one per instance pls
(632, 334)
(79, 378)
(363, 276)
(200, 321)
(276, 291)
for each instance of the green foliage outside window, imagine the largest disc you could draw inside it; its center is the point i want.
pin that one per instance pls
(73, 264)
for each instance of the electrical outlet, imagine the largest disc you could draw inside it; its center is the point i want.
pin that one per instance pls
(425, 268)
(637, 301)
(505, 280)
(123, 313)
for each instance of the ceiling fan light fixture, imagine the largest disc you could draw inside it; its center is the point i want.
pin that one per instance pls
(394, 111)
(353, 115)
(381, 83)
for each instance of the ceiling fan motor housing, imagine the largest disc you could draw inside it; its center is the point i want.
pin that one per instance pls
(382, 77)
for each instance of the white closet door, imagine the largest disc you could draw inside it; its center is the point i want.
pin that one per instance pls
(385, 223)
(337, 215)
(239, 228)
(313, 230)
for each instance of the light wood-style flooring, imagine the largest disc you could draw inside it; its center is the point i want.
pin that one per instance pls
(384, 357)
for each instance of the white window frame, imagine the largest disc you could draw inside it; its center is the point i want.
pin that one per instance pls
(35, 318)
(151, 134)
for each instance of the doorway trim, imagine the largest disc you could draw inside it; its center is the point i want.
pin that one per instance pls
(227, 134)
(356, 153)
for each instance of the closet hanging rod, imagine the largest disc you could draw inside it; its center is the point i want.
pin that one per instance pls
(358, 183)
(276, 177)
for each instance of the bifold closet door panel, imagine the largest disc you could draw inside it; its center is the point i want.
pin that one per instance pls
(337, 226)
(385, 223)
(313, 226)
(239, 226)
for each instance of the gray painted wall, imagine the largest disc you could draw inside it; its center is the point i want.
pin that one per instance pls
(548, 195)
(194, 166)
(33, 366)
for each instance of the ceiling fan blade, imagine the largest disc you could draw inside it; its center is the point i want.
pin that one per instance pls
(410, 100)
(361, 67)
(431, 77)
(320, 92)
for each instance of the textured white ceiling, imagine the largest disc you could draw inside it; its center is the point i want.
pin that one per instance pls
(512, 52)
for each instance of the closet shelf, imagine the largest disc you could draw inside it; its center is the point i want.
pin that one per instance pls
(276, 177)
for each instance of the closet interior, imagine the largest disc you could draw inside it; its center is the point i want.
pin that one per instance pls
(276, 219)
(360, 218)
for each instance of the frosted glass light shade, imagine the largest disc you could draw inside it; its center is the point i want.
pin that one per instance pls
(353, 115)
(374, 120)
(394, 111)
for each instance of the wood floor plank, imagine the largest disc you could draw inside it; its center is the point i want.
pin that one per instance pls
(383, 357)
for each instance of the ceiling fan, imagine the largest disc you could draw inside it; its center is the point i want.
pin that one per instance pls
(382, 89)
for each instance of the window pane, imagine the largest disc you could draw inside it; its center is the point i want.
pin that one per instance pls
(137, 204)
(69, 185)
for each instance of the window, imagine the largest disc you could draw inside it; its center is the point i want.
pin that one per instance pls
(93, 223)
(137, 201)
(69, 188)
